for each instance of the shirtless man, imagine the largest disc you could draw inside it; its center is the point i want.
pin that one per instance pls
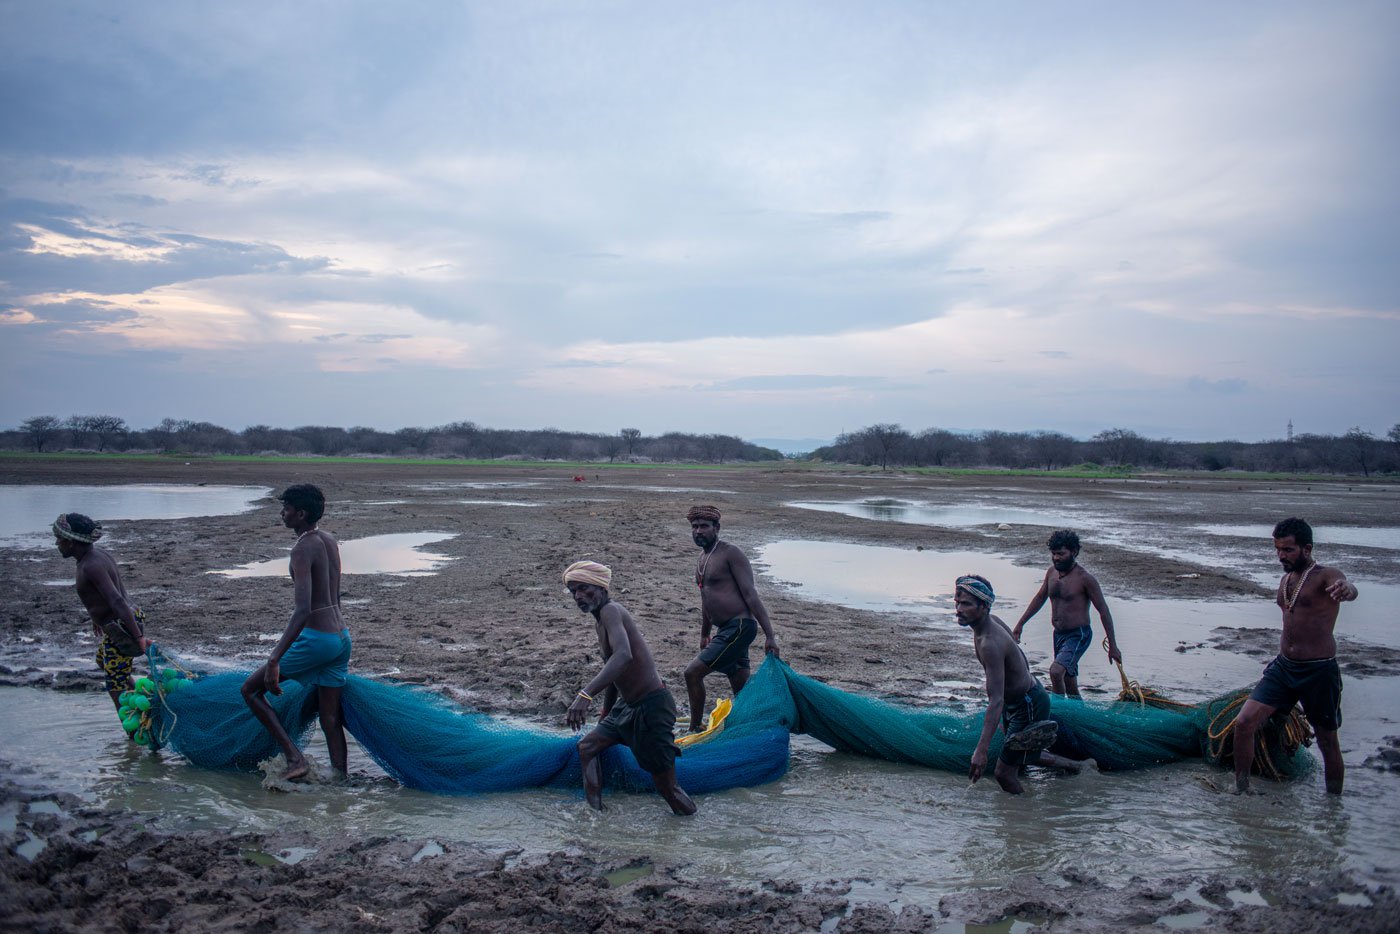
(1310, 597)
(729, 602)
(1071, 590)
(315, 649)
(638, 711)
(1015, 699)
(115, 622)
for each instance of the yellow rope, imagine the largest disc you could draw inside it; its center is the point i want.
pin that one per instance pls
(1295, 732)
(1143, 697)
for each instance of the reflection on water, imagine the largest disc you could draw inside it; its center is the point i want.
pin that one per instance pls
(921, 833)
(962, 515)
(1371, 537)
(874, 577)
(396, 554)
(1165, 643)
(27, 510)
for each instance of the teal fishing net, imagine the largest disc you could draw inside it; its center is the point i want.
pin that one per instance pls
(428, 742)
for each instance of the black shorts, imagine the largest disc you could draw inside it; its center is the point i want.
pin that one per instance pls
(1018, 714)
(1317, 684)
(646, 728)
(728, 651)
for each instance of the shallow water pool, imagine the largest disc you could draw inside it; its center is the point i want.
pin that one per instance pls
(27, 510)
(397, 554)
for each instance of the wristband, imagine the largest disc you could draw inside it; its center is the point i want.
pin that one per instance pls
(587, 697)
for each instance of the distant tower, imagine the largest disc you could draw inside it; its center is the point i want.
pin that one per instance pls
(1290, 431)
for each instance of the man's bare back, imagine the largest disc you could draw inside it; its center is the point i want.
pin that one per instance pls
(317, 556)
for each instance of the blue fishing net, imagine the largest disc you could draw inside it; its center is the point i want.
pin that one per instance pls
(428, 742)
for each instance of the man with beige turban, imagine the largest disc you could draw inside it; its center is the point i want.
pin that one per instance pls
(638, 711)
(729, 606)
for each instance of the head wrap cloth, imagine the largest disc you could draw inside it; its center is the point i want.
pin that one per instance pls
(589, 572)
(977, 589)
(703, 514)
(62, 529)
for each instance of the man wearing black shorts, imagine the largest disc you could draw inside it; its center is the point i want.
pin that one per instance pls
(1305, 670)
(729, 606)
(1016, 700)
(638, 710)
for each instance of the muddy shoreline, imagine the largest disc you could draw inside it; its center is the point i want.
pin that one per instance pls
(492, 628)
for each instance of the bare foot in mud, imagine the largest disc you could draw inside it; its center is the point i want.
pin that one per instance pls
(595, 800)
(297, 771)
(681, 804)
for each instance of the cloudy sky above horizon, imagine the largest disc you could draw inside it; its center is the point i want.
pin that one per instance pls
(774, 220)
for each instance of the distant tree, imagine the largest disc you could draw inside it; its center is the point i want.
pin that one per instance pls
(41, 429)
(1119, 445)
(1051, 449)
(630, 437)
(883, 441)
(1359, 444)
(935, 447)
(612, 446)
(95, 429)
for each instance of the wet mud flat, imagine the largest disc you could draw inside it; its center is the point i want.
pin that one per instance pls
(492, 627)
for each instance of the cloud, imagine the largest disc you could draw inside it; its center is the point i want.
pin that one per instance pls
(798, 381)
(1227, 386)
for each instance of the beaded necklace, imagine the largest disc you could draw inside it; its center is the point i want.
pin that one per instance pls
(705, 566)
(1303, 580)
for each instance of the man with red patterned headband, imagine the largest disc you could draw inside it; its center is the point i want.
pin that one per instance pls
(115, 622)
(729, 606)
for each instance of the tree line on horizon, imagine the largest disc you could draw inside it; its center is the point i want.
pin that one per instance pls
(881, 445)
(465, 440)
(888, 445)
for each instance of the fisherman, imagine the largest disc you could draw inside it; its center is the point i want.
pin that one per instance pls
(1071, 589)
(1015, 698)
(315, 648)
(729, 606)
(637, 709)
(1305, 669)
(118, 626)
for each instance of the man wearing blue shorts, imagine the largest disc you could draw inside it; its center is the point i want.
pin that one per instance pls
(1071, 590)
(315, 648)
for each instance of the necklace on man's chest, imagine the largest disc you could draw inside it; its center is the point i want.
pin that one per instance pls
(705, 566)
(1301, 581)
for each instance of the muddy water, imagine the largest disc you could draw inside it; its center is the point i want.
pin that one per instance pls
(917, 834)
(26, 511)
(913, 833)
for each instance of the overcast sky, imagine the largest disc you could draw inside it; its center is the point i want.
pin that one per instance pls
(769, 219)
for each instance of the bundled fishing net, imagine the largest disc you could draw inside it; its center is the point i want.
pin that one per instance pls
(428, 742)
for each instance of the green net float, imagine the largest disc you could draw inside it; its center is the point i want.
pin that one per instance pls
(124, 698)
(145, 685)
(141, 703)
(131, 724)
(182, 683)
(169, 674)
(142, 738)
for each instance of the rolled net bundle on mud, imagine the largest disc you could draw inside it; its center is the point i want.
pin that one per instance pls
(428, 742)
